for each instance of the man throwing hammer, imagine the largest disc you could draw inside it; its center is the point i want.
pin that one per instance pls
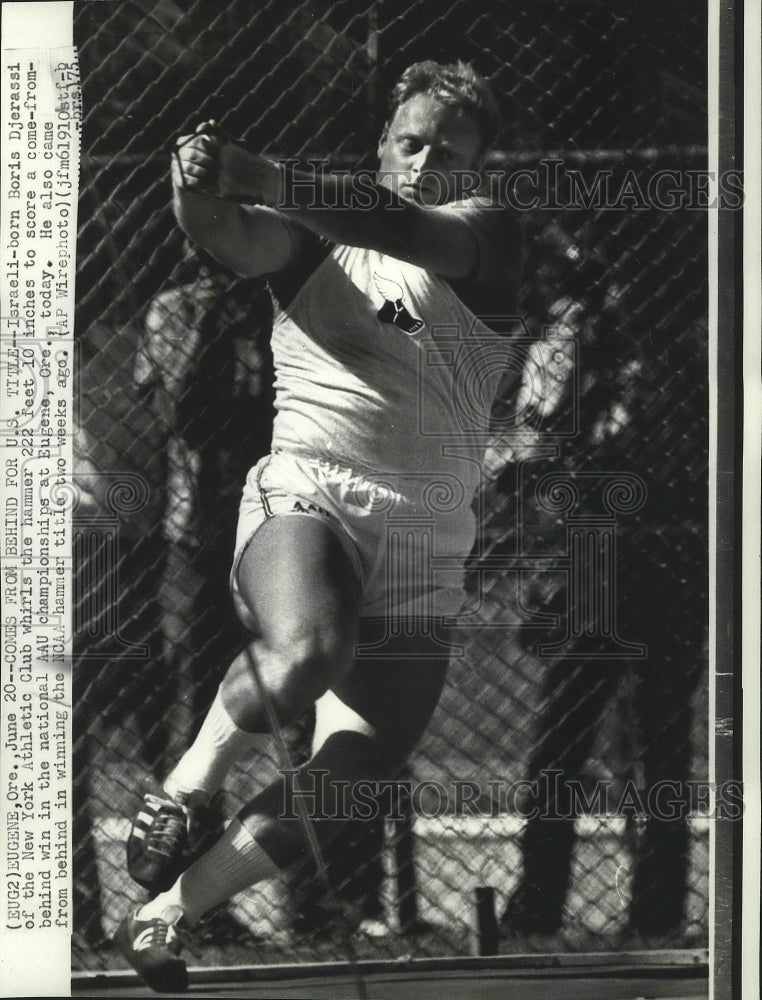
(354, 531)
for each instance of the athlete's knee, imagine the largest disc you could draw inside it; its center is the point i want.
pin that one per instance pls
(340, 731)
(349, 755)
(297, 666)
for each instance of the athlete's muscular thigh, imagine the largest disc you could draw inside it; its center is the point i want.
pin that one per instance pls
(298, 582)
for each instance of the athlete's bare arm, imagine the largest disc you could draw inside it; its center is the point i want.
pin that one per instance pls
(353, 210)
(251, 240)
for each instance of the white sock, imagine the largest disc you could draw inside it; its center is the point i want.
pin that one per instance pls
(204, 766)
(234, 863)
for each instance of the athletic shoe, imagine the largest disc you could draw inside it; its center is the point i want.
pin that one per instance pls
(152, 948)
(168, 835)
(158, 847)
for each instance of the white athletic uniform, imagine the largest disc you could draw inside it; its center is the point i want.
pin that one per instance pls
(384, 383)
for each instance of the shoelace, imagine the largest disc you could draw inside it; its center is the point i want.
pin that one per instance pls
(167, 832)
(154, 935)
(159, 932)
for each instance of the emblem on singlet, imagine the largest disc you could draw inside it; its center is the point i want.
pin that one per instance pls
(394, 309)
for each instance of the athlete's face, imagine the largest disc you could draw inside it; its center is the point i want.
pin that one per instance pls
(425, 150)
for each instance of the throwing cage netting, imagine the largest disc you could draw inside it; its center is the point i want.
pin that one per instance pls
(175, 391)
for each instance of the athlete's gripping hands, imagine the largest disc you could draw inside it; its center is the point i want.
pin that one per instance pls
(208, 161)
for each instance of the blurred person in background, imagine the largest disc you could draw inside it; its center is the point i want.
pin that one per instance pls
(661, 600)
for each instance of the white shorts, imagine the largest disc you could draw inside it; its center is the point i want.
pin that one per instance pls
(407, 536)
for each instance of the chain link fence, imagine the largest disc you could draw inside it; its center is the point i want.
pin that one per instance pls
(552, 703)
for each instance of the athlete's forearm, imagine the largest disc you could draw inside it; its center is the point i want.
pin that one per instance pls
(249, 240)
(350, 209)
(208, 221)
(354, 210)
